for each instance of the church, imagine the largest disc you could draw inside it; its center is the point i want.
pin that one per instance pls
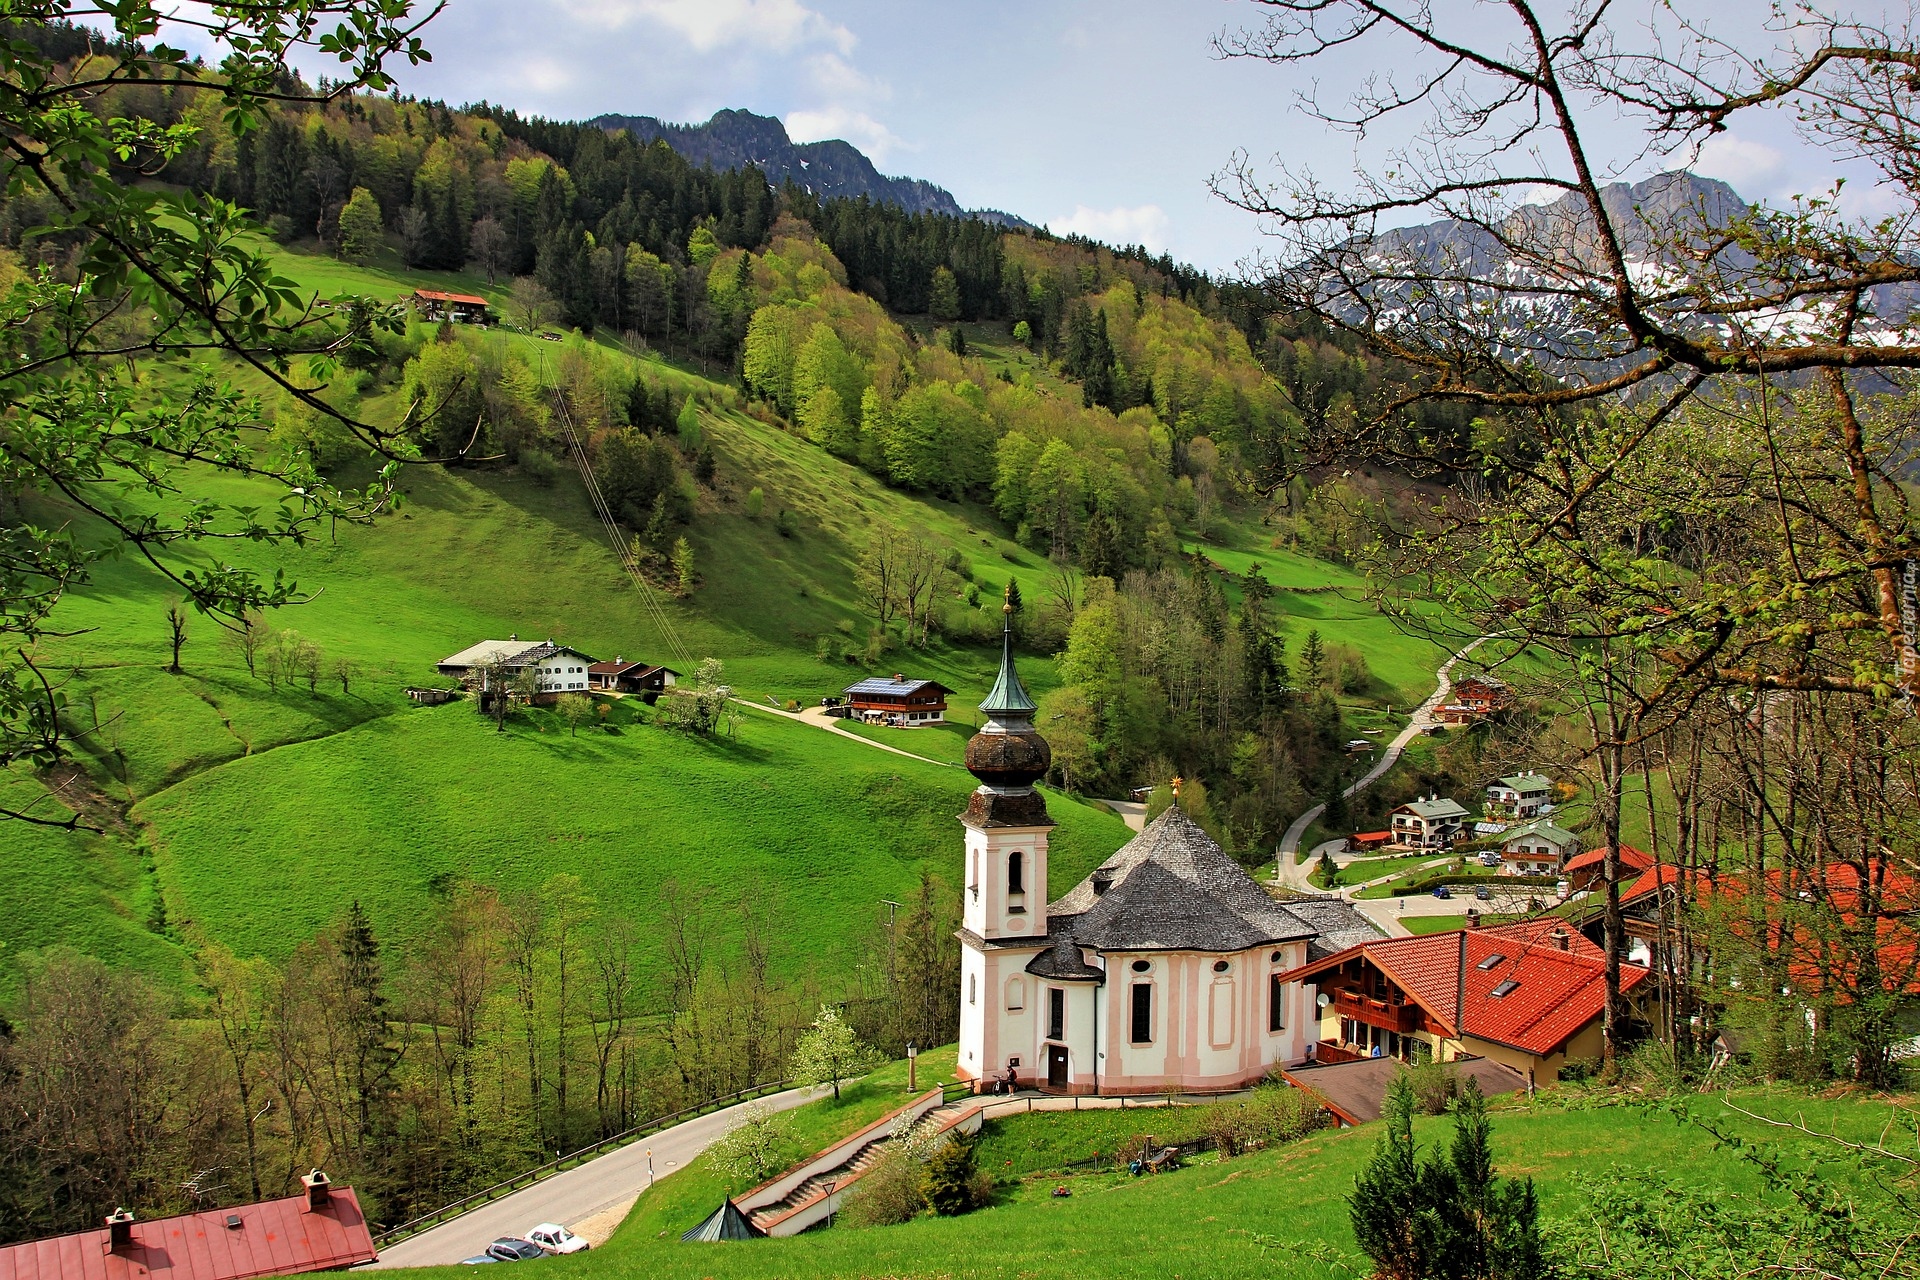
(1163, 969)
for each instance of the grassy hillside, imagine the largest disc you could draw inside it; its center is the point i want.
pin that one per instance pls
(258, 812)
(1256, 1216)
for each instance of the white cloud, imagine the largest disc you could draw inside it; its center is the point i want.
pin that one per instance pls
(1749, 167)
(708, 25)
(836, 78)
(857, 127)
(1145, 224)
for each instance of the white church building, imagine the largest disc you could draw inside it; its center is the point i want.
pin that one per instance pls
(1162, 969)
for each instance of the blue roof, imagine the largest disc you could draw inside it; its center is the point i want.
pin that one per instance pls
(886, 684)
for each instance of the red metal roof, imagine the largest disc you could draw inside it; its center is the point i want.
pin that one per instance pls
(275, 1238)
(434, 295)
(1556, 993)
(1631, 860)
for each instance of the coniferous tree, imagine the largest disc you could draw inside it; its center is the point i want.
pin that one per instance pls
(1393, 1205)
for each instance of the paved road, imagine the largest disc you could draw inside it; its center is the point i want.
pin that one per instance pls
(1421, 721)
(590, 1191)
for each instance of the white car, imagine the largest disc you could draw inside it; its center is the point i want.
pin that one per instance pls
(555, 1238)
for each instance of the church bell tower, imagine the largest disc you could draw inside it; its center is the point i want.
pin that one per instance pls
(1006, 819)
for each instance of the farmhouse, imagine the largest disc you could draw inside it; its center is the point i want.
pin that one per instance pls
(1162, 969)
(900, 702)
(646, 679)
(1522, 796)
(1473, 697)
(321, 1229)
(558, 669)
(1433, 822)
(1529, 995)
(1538, 849)
(461, 308)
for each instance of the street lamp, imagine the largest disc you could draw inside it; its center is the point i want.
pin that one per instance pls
(649, 1168)
(913, 1063)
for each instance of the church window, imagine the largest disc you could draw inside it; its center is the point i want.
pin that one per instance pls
(1056, 1013)
(1221, 966)
(1276, 1003)
(1141, 1029)
(1016, 994)
(1016, 872)
(971, 988)
(1142, 966)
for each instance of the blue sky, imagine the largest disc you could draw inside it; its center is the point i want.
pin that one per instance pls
(1101, 117)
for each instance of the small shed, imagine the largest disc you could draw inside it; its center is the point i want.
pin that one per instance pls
(647, 679)
(724, 1223)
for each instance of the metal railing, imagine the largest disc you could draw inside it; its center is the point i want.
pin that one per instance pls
(519, 1181)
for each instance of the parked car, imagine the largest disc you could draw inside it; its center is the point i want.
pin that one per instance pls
(555, 1238)
(514, 1249)
(1489, 859)
(1443, 892)
(478, 1259)
(1483, 892)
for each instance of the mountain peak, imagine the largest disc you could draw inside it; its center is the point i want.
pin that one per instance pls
(734, 138)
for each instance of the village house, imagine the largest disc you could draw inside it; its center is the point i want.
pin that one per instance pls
(644, 679)
(1588, 870)
(1473, 697)
(1431, 822)
(1529, 995)
(558, 669)
(1160, 970)
(1538, 849)
(321, 1229)
(460, 308)
(899, 702)
(1521, 797)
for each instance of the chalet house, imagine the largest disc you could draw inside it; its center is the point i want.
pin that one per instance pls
(900, 702)
(461, 308)
(1522, 797)
(559, 669)
(321, 1229)
(1588, 870)
(1538, 849)
(645, 679)
(1473, 697)
(1160, 970)
(1433, 822)
(1529, 995)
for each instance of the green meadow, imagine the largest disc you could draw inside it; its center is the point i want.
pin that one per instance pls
(1262, 1215)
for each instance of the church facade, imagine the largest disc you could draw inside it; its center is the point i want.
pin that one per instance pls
(1163, 969)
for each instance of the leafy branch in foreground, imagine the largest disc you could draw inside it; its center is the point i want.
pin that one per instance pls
(102, 454)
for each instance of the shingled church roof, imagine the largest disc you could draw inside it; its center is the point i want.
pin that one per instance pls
(1172, 888)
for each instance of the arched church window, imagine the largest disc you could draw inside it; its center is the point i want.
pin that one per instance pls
(1016, 994)
(1016, 872)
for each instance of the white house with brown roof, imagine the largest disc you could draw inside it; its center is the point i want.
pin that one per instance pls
(1522, 796)
(559, 669)
(1538, 849)
(1160, 970)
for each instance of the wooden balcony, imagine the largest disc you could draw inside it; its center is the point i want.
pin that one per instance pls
(1388, 1015)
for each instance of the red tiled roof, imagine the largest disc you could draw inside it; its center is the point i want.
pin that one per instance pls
(275, 1238)
(434, 295)
(1557, 993)
(1631, 859)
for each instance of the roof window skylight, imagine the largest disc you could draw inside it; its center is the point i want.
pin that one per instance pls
(1506, 988)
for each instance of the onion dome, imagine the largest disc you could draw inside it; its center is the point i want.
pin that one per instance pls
(1008, 755)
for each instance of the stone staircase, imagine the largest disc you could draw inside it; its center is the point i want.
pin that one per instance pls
(861, 1159)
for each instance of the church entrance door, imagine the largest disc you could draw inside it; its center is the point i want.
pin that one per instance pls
(1056, 1066)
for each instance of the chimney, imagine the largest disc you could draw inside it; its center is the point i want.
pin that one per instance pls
(1560, 939)
(318, 1189)
(119, 1230)
(1102, 881)
(1473, 918)
(899, 678)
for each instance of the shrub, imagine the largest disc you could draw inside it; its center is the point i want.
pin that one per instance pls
(539, 466)
(1267, 1117)
(1435, 1084)
(953, 1179)
(890, 1193)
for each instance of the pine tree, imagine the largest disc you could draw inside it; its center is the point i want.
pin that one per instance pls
(1393, 1205)
(373, 1056)
(951, 1175)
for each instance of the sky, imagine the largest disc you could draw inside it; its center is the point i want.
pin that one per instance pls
(1104, 117)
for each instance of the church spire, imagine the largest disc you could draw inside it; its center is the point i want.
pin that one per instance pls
(1008, 700)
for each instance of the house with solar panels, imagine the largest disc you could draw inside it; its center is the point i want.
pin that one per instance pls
(900, 702)
(1164, 969)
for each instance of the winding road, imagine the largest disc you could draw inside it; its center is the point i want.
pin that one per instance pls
(591, 1199)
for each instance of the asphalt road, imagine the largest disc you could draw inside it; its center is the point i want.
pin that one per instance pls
(581, 1193)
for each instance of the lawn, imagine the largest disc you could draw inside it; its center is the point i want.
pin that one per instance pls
(263, 851)
(1255, 1216)
(1361, 870)
(944, 742)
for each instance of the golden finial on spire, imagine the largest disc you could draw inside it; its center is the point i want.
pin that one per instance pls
(1176, 787)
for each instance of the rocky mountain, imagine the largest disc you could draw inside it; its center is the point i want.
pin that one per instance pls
(735, 139)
